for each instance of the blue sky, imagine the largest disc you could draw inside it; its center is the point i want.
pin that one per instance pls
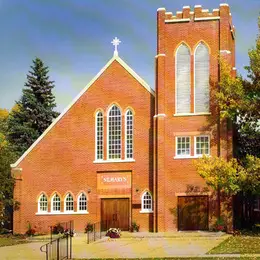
(73, 38)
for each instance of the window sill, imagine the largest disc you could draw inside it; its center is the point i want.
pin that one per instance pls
(193, 114)
(62, 213)
(201, 155)
(114, 161)
(190, 157)
(146, 211)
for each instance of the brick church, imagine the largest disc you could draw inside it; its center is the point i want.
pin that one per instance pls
(124, 152)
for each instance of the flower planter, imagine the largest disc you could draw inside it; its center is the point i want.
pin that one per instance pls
(114, 233)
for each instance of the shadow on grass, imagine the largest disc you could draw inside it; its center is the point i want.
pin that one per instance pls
(238, 245)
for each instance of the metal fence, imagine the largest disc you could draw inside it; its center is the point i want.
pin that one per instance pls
(97, 230)
(61, 247)
(58, 249)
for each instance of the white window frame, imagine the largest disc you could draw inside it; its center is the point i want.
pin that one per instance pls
(78, 209)
(65, 202)
(126, 134)
(257, 201)
(195, 145)
(176, 65)
(194, 80)
(176, 147)
(96, 148)
(52, 210)
(114, 159)
(39, 203)
(143, 210)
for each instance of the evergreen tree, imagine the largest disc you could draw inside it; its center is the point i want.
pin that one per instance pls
(35, 109)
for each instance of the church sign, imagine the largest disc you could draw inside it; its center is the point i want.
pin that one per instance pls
(114, 180)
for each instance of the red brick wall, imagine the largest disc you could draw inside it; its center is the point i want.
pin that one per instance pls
(177, 175)
(63, 160)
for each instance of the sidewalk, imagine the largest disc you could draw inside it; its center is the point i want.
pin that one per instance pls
(30, 251)
(144, 245)
(132, 245)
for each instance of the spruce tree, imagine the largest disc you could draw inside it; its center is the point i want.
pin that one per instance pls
(34, 111)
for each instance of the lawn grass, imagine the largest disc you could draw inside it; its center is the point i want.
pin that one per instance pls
(11, 240)
(238, 245)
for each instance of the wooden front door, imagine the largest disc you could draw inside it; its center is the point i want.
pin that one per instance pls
(115, 213)
(193, 213)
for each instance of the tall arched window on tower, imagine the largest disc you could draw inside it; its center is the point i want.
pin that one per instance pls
(114, 133)
(99, 136)
(182, 77)
(129, 134)
(201, 79)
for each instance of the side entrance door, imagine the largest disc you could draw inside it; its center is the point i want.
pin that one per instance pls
(193, 213)
(115, 213)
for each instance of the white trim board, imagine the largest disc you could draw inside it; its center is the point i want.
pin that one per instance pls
(122, 63)
(62, 213)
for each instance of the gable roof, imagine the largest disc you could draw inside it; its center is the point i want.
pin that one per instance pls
(123, 64)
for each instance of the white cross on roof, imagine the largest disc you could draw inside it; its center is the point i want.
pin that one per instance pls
(116, 42)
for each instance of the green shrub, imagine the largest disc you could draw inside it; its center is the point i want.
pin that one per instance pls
(219, 225)
(58, 229)
(30, 231)
(89, 228)
(134, 227)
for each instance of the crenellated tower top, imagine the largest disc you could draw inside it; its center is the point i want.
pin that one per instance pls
(198, 14)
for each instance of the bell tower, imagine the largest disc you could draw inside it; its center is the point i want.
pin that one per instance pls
(189, 44)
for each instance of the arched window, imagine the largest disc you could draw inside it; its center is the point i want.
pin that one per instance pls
(43, 203)
(99, 136)
(147, 202)
(201, 79)
(69, 203)
(55, 203)
(82, 202)
(114, 133)
(129, 134)
(182, 78)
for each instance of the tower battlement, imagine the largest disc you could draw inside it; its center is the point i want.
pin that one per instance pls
(198, 14)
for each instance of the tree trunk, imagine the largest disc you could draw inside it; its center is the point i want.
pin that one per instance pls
(219, 207)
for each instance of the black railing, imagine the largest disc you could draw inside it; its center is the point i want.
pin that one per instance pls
(61, 247)
(57, 249)
(61, 228)
(98, 230)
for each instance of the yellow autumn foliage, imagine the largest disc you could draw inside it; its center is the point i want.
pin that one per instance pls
(228, 176)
